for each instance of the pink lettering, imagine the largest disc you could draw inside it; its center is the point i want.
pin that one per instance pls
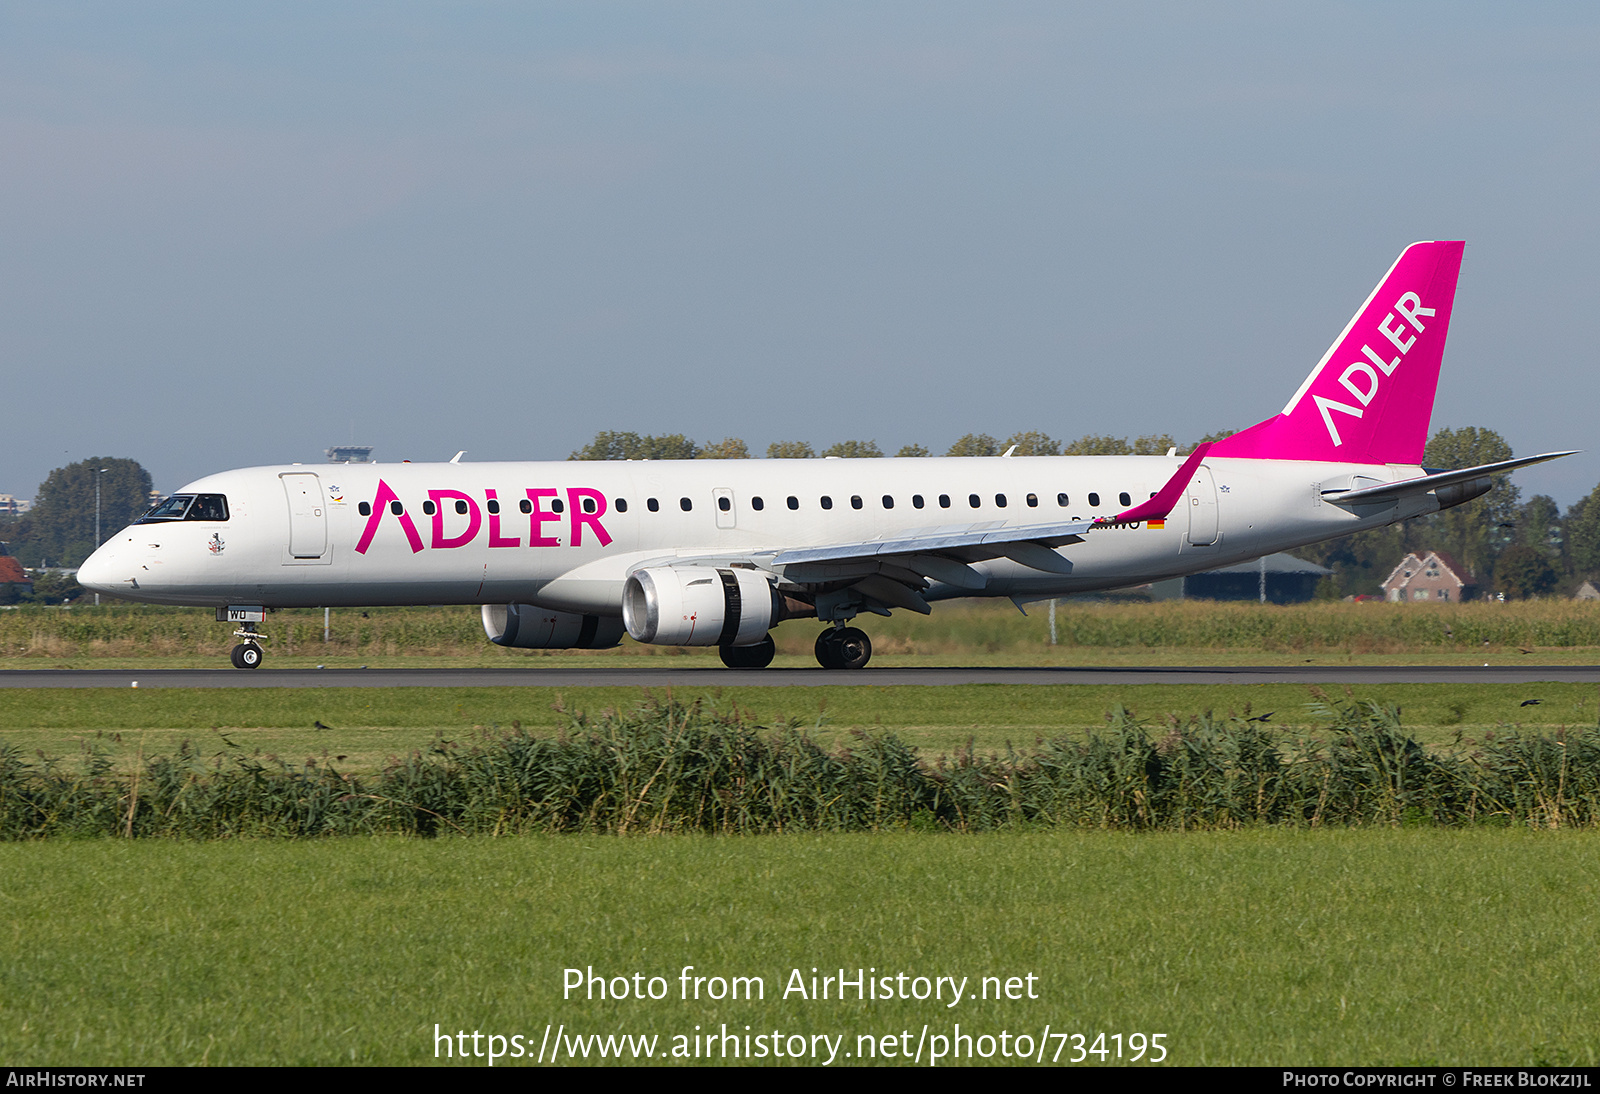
(539, 518)
(495, 539)
(576, 496)
(387, 501)
(474, 518)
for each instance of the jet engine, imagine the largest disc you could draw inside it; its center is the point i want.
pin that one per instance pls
(527, 627)
(1462, 492)
(699, 606)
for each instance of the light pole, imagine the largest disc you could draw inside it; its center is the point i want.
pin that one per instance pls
(100, 472)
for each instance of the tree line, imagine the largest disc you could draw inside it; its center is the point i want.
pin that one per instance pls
(675, 446)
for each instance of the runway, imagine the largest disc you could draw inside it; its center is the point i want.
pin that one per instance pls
(716, 676)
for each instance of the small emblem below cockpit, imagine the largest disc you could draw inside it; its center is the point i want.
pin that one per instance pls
(215, 544)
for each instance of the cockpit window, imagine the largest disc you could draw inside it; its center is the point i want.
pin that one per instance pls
(213, 507)
(171, 508)
(208, 507)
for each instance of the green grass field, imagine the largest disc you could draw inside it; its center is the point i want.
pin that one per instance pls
(963, 632)
(1259, 946)
(1254, 947)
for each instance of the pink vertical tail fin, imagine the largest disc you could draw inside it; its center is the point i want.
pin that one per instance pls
(1370, 397)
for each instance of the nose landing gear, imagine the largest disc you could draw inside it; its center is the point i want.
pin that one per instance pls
(248, 654)
(843, 648)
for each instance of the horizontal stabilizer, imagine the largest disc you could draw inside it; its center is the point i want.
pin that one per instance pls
(1394, 491)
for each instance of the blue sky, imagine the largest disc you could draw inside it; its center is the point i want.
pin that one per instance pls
(237, 234)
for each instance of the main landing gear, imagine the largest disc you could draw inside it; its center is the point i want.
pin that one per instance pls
(843, 648)
(758, 656)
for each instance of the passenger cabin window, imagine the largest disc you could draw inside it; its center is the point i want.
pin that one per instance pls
(365, 509)
(974, 501)
(827, 502)
(1000, 500)
(757, 504)
(855, 501)
(396, 508)
(653, 505)
(794, 502)
(1125, 498)
(683, 503)
(1061, 500)
(557, 505)
(461, 507)
(1094, 501)
(525, 505)
(494, 506)
(1033, 501)
(622, 505)
(888, 502)
(428, 507)
(725, 504)
(916, 501)
(944, 501)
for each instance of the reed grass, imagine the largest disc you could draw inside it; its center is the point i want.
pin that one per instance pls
(672, 766)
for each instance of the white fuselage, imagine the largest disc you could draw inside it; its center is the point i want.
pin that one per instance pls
(297, 535)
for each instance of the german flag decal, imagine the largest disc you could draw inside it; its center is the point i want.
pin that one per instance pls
(1158, 524)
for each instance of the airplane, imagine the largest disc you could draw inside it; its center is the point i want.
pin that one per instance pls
(575, 554)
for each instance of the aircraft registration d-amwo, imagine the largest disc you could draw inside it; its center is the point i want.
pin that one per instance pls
(573, 554)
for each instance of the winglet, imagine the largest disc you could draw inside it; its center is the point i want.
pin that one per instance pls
(1167, 497)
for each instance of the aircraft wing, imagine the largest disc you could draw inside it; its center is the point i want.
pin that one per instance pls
(1422, 484)
(988, 534)
(894, 570)
(991, 539)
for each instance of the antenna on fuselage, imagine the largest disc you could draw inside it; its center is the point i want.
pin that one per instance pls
(457, 457)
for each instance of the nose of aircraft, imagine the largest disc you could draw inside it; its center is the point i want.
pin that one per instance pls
(98, 573)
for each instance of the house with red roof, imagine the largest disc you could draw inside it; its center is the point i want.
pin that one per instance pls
(1432, 577)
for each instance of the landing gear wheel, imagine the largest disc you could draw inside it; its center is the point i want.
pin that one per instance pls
(247, 656)
(758, 656)
(843, 648)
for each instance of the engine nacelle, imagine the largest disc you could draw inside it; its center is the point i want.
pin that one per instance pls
(526, 627)
(699, 606)
(1462, 492)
